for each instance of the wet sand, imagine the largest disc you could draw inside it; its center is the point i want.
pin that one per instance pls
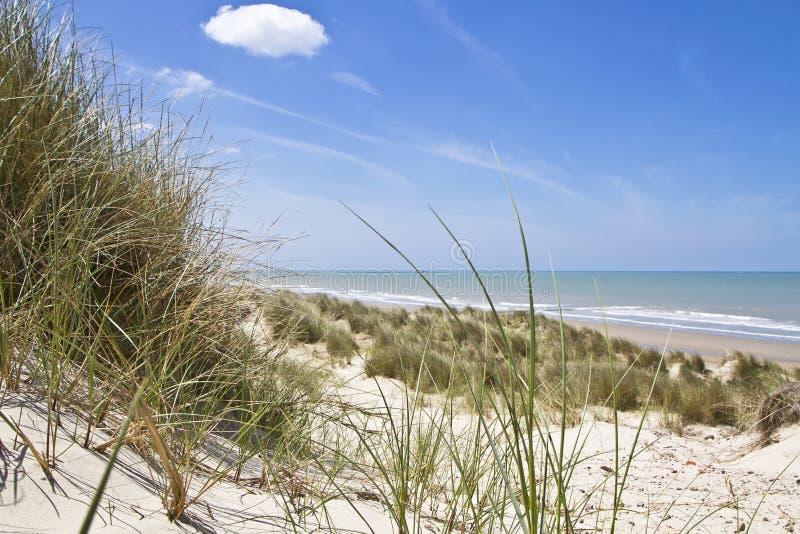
(711, 346)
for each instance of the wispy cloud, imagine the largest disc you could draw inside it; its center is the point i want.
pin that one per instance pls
(267, 30)
(388, 176)
(183, 83)
(225, 149)
(477, 157)
(491, 59)
(693, 71)
(632, 201)
(356, 82)
(302, 117)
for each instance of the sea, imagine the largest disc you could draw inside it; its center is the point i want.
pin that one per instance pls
(757, 305)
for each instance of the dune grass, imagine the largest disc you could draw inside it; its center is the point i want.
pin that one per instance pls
(116, 271)
(340, 345)
(419, 348)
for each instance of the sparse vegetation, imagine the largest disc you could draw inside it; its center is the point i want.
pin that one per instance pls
(430, 350)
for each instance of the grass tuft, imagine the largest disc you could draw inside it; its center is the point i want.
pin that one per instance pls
(117, 268)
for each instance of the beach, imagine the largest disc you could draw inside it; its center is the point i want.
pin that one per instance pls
(711, 347)
(707, 312)
(712, 477)
(164, 369)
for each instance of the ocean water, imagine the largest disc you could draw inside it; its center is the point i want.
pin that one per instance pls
(760, 305)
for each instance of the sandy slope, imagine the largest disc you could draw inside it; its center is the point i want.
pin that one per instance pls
(709, 474)
(30, 503)
(710, 479)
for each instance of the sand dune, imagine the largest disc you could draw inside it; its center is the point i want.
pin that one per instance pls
(710, 474)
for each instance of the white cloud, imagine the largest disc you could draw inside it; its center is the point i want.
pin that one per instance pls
(143, 126)
(302, 117)
(184, 82)
(356, 82)
(267, 30)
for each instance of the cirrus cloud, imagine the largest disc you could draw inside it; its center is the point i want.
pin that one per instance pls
(267, 30)
(355, 81)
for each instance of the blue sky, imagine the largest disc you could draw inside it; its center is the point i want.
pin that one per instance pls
(635, 135)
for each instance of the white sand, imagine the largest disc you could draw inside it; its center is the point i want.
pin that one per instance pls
(675, 480)
(29, 503)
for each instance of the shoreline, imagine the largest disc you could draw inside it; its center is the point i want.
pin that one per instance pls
(712, 347)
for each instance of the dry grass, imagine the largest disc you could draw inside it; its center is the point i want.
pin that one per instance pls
(781, 407)
(430, 350)
(340, 345)
(117, 274)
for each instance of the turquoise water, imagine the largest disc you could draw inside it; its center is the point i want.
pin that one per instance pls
(762, 305)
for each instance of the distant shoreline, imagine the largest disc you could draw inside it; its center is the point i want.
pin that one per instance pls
(757, 305)
(712, 347)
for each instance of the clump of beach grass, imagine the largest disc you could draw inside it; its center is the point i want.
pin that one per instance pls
(535, 469)
(119, 283)
(340, 344)
(292, 319)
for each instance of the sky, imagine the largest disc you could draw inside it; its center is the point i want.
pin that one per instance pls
(635, 136)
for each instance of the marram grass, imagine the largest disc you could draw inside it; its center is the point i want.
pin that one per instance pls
(402, 344)
(117, 274)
